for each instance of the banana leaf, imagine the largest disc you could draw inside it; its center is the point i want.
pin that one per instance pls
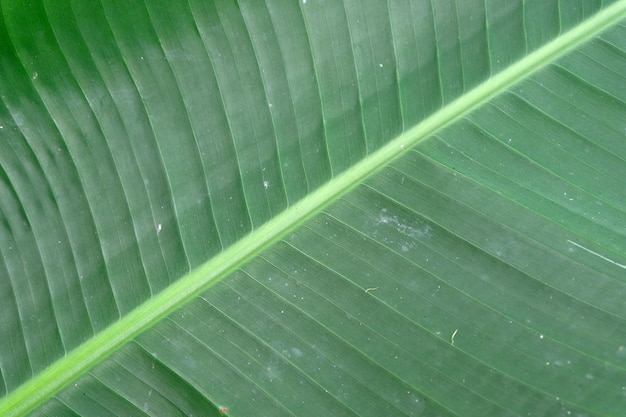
(313, 208)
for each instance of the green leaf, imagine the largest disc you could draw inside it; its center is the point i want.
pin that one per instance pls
(313, 208)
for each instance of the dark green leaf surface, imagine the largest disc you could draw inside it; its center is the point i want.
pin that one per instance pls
(481, 272)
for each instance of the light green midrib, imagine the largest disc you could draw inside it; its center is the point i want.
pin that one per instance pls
(61, 373)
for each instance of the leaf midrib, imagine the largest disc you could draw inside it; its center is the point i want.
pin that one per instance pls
(61, 373)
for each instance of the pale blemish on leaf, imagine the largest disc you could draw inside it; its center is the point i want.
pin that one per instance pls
(423, 231)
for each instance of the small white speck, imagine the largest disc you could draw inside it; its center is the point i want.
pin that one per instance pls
(380, 65)
(303, 1)
(1, 127)
(402, 146)
(540, 336)
(270, 105)
(158, 228)
(266, 184)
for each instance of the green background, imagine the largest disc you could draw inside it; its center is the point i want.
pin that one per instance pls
(472, 264)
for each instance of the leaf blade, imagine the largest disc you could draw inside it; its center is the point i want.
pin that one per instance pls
(354, 176)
